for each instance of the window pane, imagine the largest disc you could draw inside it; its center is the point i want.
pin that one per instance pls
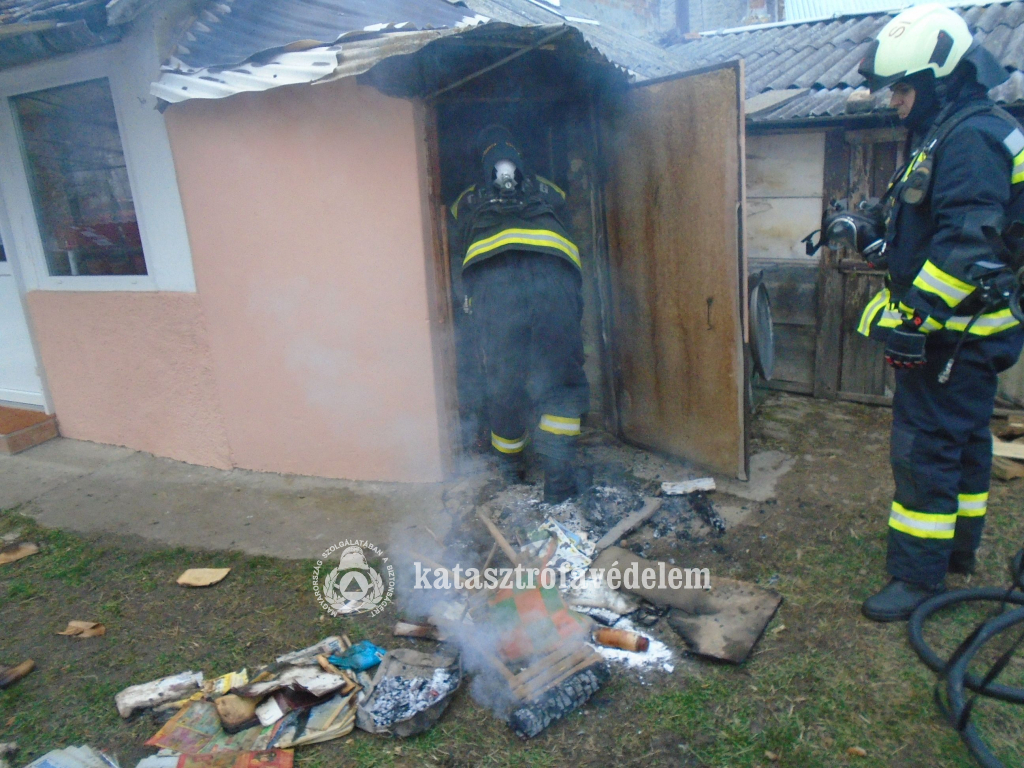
(79, 181)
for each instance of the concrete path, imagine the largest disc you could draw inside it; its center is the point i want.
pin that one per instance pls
(92, 488)
(87, 487)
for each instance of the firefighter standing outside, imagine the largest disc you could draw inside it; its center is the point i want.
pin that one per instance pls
(521, 275)
(943, 214)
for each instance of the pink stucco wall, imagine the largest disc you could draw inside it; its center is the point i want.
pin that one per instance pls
(132, 369)
(305, 214)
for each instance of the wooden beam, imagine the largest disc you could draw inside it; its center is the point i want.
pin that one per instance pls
(828, 344)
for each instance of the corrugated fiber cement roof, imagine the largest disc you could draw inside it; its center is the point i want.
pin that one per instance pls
(818, 60)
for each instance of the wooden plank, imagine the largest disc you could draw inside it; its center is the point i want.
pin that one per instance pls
(794, 353)
(784, 165)
(1007, 450)
(884, 167)
(778, 224)
(602, 278)
(792, 289)
(1006, 469)
(786, 386)
(627, 524)
(688, 486)
(828, 344)
(673, 199)
(875, 135)
(858, 397)
(576, 146)
(439, 287)
(863, 365)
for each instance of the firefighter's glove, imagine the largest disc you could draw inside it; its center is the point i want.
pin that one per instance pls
(905, 348)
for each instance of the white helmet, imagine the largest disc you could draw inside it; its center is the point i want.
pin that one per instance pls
(924, 37)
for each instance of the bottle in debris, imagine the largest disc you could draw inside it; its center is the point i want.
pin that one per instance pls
(621, 638)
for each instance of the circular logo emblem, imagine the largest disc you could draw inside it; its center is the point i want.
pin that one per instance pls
(353, 586)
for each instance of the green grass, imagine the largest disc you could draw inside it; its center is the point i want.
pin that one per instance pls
(821, 680)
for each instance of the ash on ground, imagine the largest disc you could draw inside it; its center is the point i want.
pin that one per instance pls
(399, 698)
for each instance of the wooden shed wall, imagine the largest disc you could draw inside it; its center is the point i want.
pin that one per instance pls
(785, 180)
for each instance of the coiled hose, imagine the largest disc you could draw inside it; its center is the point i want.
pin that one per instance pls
(958, 679)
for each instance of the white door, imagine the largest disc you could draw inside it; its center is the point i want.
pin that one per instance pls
(19, 376)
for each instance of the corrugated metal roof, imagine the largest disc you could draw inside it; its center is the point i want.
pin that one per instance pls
(230, 32)
(645, 60)
(357, 55)
(252, 45)
(823, 57)
(37, 29)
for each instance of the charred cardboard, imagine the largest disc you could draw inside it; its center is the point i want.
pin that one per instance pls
(724, 622)
(407, 663)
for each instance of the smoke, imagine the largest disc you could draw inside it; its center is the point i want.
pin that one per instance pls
(463, 618)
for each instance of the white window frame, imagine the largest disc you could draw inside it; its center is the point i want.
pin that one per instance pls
(129, 67)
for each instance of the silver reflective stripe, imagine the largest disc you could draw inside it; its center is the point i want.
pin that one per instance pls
(1014, 142)
(959, 322)
(944, 289)
(973, 504)
(922, 525)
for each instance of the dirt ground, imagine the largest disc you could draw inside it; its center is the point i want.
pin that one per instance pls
(822, 681)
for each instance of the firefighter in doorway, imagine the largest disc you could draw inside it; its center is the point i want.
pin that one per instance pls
(943, 315)
(523, 287)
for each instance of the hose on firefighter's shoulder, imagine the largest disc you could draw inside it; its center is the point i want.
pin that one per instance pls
(958, 707)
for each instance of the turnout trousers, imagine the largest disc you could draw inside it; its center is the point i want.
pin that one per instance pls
(941, 453)
(528, 309)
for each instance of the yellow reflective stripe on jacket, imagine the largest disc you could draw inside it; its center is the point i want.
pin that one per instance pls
(544, 238)
(551, 184)
(455, 205)
(922, 525)
(986, 325)
(933, 280)
(867, 317)
(913, 164)
(508, 446)
(1015, 144)
(927, 326)
(890, 317)
(972, 504)
(559, 425)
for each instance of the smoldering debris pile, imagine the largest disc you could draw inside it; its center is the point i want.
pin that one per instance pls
(539, 650)
(303, 697)
(399, 698)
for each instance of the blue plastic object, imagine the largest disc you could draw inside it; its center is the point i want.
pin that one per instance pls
(362, 655)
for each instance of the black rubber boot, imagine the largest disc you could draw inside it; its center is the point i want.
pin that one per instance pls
(512, 469)
(559, 481)
(897, 600)
(965, 563)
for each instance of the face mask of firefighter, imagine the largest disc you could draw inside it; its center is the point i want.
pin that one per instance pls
(505, 176)
(860, 230)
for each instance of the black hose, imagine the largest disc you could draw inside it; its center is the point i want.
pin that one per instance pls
(934, 662)
(955, 686)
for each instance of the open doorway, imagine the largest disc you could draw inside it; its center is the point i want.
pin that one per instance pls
(653, 175)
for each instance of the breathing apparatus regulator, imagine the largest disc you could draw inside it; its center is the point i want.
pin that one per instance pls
(503, 164)
(861, 229)
(505, 177)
